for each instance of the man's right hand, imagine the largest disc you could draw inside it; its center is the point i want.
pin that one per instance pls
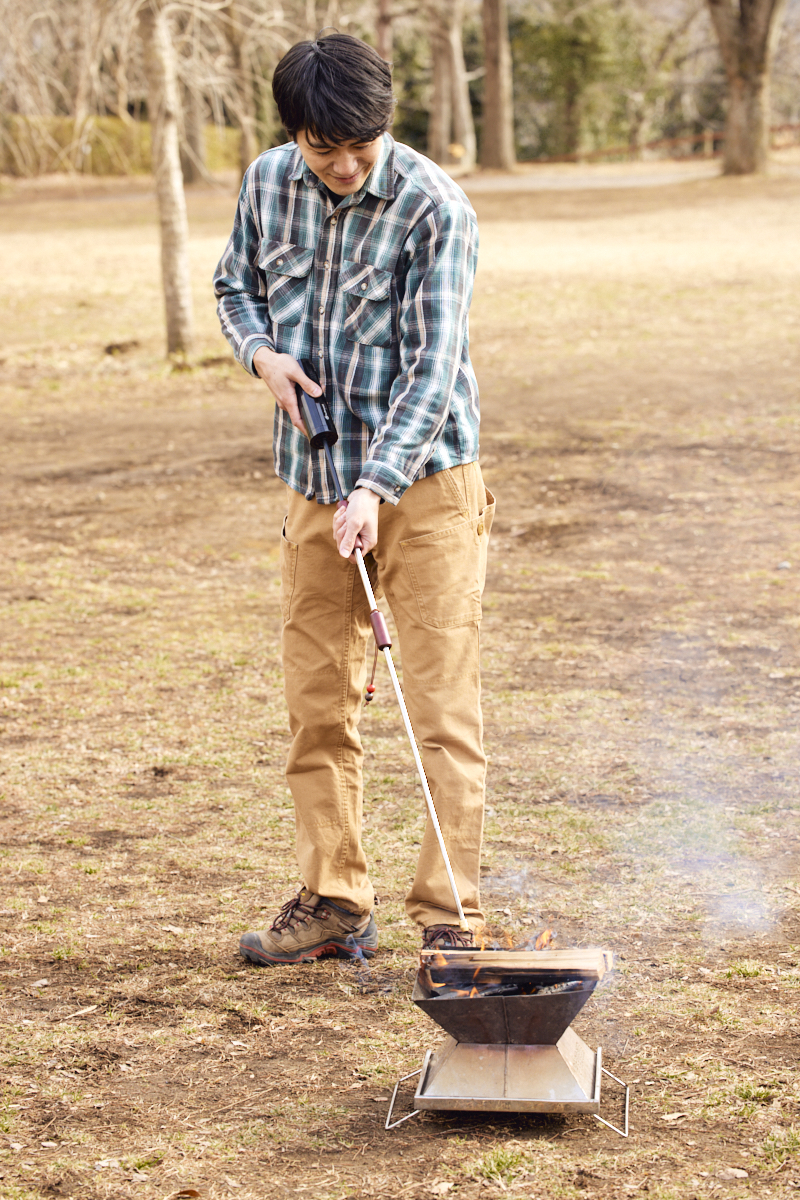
(280, 373)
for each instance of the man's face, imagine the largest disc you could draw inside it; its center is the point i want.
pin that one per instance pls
(343, 168)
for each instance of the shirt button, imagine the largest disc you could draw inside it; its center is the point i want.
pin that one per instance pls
(480, 528)
(322, 310)
(334, 220)
(320, 353)
(363, 287)
(327, 265)
(279, 262)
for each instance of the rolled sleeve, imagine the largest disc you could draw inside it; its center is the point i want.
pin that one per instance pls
(433, 317)
(240, 286)
(386, 482)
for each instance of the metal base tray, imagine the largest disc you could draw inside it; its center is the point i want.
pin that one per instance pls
(478, 1077)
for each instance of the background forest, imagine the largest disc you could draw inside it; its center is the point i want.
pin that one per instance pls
(579, 75)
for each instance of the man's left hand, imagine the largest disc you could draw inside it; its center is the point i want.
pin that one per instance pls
(355, 524)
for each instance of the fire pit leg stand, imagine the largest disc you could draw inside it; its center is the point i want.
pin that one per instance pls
(390, 1124)
(508, 1077)
(621, 1132)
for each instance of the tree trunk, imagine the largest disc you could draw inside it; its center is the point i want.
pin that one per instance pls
(571, 116)
(86, 21)
(747, 126)
(121, 80)
(312, 27)
(88, 24)
(384, 30)
(463, 149)
(441, 115)
(497, 143)
(747, 31)
(451, 129)
(162, 106)
(193, 142)
(245, 104)
(248, 146)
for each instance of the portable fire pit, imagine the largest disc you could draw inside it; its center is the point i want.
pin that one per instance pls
(510, 1047)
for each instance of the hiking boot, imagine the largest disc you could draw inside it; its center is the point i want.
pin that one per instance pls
(308, 927)
(447, 937)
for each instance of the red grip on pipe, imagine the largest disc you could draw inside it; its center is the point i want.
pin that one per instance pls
(380, 631)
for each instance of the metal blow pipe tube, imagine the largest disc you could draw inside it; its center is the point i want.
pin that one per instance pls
(379, 630)
(398, 691)
(462, 920)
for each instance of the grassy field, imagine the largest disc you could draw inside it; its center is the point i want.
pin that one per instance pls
(638, 349)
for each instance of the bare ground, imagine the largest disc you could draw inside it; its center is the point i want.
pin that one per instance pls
(638, 350)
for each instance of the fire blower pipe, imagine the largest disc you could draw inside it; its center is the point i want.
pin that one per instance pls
(322, 435)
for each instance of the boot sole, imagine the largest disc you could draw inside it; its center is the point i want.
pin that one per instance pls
(262, 959)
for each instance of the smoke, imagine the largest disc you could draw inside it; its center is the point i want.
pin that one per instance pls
(678, 866)
(358, 961)
(362, 974)
(693, 839)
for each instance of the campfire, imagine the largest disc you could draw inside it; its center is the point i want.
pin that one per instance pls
(517, 973)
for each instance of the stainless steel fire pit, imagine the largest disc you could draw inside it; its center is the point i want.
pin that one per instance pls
(510, 1047)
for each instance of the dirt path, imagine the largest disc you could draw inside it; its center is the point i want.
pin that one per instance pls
(638, 351)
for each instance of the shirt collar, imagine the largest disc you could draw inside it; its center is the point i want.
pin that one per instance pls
(380, 181)
(300, 170)
(381, 178)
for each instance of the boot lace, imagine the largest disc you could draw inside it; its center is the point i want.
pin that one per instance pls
(292, 913)
(447, 937)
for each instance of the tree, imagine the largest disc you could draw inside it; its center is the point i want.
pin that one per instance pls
(451, 130)
(747, 31)
(649, 52)
(56, 75)
(561, 56)
(244, 104)
(163, 109)
(383, 29)
(192, 143)
(785, 73)
(497, 142)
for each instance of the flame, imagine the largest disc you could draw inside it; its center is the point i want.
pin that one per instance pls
(482, 945)
(508, 940)
(438, 960)
(473, 991)
(544, 940)
(437, 985)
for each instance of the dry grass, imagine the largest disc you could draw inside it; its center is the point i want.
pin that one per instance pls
(638, 350)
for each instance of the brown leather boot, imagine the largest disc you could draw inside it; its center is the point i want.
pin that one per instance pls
(308, 927)
(447, 937)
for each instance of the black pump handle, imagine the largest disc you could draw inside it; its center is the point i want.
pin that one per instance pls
(315, 412)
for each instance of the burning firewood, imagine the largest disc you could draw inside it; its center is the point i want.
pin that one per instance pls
(483, 974)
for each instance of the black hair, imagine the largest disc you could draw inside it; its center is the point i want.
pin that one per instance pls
(337, 88)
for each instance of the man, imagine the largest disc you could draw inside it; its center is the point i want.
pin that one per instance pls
(357, 253)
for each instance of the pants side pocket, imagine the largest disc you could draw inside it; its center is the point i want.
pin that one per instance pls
(448, 570)
(288, 570)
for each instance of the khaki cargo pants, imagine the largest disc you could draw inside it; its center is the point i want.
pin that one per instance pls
(430, 564)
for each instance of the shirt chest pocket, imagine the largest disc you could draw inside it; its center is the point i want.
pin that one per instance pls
(286, 268)
(367, 295)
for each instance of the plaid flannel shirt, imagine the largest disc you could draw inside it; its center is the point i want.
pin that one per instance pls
(376, 292)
